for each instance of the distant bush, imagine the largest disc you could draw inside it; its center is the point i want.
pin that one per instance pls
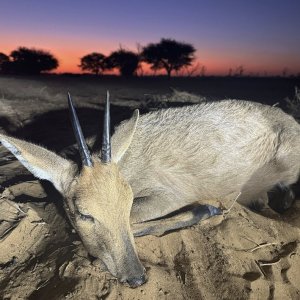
(127, 62)
(4, 60)
(93, 62)
(168, 54)
(28, 61)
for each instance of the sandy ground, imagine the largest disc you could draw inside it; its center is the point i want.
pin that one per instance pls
(244, 255)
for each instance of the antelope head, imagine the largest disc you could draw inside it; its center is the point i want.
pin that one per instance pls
(97, 198)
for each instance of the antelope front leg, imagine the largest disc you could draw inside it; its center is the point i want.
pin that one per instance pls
(155, 206)
(181, 220)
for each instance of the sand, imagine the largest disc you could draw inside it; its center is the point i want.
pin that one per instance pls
(243, 255)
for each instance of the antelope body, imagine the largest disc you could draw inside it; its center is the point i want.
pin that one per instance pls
(162, 162)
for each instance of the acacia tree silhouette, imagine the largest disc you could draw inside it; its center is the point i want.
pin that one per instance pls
(4, 60)
(31, 61)
(93, 62)
(168, 54)
(126, 62)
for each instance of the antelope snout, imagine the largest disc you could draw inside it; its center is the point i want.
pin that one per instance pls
(137, 281)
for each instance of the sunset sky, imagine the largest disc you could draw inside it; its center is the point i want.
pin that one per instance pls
(261, 35)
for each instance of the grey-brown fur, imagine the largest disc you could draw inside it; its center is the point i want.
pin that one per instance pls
(163, 161)
(209, 151)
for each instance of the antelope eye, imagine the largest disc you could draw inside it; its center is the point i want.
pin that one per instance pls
(85, 217)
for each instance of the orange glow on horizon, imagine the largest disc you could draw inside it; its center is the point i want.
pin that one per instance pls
(69, 53)
(254, 34)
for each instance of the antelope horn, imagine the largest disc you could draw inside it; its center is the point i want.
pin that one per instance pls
(106, 145)
(82, 146)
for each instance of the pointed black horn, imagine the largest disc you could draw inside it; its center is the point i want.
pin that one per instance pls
(82, 146)
(106, 145)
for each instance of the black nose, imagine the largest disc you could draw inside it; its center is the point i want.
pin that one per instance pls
(135, 282)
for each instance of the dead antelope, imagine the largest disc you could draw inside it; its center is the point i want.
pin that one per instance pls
(161, 162)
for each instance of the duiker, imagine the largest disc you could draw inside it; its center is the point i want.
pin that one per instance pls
(161, 162)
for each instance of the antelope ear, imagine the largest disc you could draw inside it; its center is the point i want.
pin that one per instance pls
(42, 163)
(123, 136)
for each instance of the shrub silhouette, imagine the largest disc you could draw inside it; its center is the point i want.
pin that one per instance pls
(168, 54)
(30, 61)
(93, 62)
(125, 61)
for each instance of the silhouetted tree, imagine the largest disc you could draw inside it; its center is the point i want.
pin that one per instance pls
(240, 70)
(168, 54)
(4, 60)
(31, 61)
(93, 62)
(127, 62)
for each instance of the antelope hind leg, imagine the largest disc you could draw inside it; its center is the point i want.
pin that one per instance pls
(181, 220)
(281, 198)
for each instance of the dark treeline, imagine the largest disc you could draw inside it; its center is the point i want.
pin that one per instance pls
(168, 54)
(26, 61)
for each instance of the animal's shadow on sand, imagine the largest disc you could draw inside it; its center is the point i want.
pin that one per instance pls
(53, 129)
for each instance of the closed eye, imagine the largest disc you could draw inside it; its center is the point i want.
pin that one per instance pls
(85, 217)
